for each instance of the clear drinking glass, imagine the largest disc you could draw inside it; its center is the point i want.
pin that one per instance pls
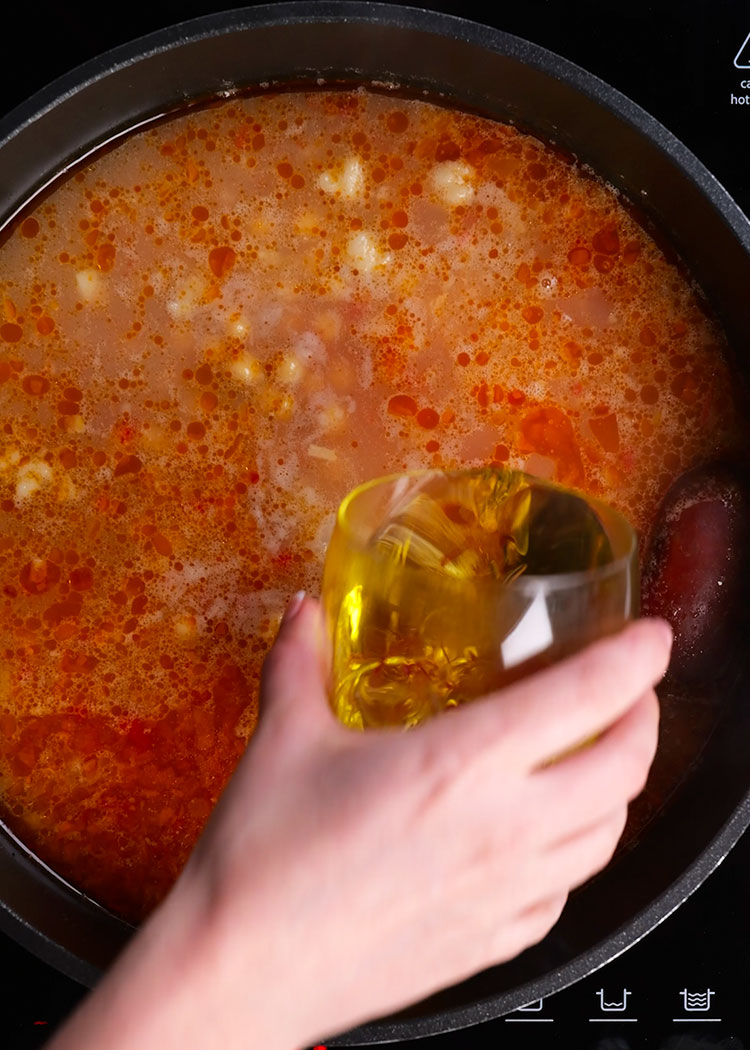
(440, 586)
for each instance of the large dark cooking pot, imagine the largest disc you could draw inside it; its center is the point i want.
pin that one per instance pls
(504, 77)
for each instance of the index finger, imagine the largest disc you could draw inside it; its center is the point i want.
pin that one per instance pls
(562, 706)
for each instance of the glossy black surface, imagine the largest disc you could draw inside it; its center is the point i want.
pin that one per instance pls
(678, 64)
(705, 945)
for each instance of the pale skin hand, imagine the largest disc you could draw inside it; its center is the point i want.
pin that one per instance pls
(344, 875)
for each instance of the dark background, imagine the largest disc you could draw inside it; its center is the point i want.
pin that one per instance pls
(673, 57)
(676, 60)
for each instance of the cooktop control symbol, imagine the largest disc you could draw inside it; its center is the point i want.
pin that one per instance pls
(742, 58)
(613, 1007)
(532, 1011)
(695, 1003)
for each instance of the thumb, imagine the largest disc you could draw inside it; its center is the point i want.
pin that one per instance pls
(293, 682)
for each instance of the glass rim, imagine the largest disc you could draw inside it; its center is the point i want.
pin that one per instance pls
(525, 582)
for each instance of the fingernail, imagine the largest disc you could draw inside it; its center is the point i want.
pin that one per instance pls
(294, 606)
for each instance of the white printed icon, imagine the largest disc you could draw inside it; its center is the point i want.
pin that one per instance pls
(534, 1007)
(742, 58)
(696, 1002)
(532, 1012)
(613, 1006)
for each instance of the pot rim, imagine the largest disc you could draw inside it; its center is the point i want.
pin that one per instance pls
(393, 16)
(490, 1008)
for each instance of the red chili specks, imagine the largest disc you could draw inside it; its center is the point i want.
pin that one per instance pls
(38, 576)
(397, 121)
(532, 314)
(105, 257)
(685, 386)
(606, 241)
(547, 430)
(604, 429)
(77, 663)
(35, 385)
(81, 578)
(124, 431)
(10, 332)
(30, 227)
(162, 545)
(196, 430)
(631, 251)
(579, 256)
(447, 150)
(221, 260)
(128, 465)
(402, 405)
(428, 418)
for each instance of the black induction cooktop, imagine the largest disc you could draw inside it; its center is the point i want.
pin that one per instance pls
(685, 985)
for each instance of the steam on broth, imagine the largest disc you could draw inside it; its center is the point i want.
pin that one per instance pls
(209, 335)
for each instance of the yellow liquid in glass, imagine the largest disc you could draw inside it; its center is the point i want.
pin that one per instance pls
(419, 609)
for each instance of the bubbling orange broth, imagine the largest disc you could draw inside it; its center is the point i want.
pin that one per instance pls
(208, 336)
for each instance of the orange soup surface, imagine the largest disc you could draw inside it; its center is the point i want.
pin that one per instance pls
(210, 334)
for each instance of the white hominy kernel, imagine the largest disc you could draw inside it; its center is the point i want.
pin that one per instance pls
(349, 182)
(452, 181)
(9, 459)
(186, 628)
(186, 298)
(290, 370)
(332, 416)
(240, 329)
(308, 223)
(246, 369)
(319, 452)
(365, 254)
(31, 477)
(90, 285)
(74, 424)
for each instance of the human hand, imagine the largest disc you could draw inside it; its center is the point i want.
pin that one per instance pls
(344, 874)
(388, 864)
